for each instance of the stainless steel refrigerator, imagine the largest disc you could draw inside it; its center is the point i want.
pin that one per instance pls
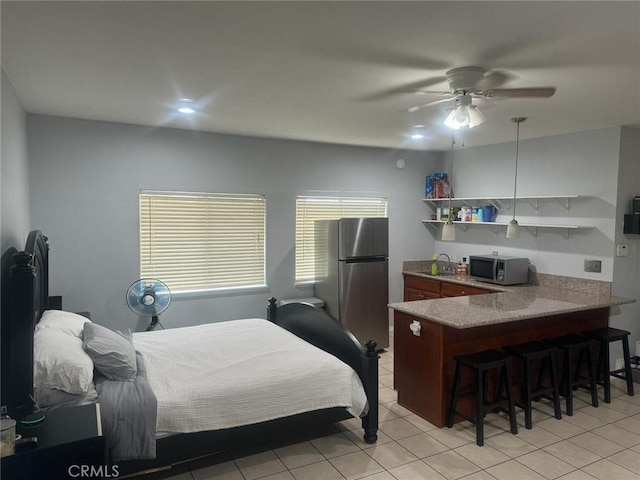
(352, 274)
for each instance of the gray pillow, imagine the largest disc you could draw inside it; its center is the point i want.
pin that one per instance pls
(113, 355)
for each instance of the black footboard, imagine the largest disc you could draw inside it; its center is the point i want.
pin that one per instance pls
(317, 327)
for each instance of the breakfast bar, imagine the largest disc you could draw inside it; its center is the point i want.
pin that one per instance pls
(428, 333)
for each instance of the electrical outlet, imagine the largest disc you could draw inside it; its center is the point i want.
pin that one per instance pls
(594, 266)
(495, 252)
(622, 250)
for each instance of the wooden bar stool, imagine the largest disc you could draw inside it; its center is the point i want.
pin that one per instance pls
(481, 364)
(572, 377)
(604, 336)
(528, 353)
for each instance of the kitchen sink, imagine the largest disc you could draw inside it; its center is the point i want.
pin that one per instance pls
(440, 274)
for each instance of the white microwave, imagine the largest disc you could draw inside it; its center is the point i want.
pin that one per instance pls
(497, 269)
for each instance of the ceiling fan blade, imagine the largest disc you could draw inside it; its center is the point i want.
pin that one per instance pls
(539, 92)
(493, 79)
(413, 87)
(435, 102)
(428, 92)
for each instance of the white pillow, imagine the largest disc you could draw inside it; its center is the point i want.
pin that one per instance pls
(60, 362)
(67, 322)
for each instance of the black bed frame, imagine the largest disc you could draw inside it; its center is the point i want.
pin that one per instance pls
(28, 293)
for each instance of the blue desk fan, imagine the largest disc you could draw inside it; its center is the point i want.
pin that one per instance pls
(148, 297)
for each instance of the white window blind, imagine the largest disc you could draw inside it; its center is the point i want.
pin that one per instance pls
(309, 209)
(193, 241)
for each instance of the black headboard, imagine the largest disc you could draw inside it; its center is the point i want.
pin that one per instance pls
(28, 298)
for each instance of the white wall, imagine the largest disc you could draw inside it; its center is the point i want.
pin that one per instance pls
(14, 172)
(626, 276)
(603, 165)
(86, 175)
(583, 163)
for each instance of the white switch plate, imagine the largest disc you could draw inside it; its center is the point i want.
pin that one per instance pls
(622, 250)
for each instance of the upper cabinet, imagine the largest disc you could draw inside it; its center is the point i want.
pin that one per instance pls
(504, 204)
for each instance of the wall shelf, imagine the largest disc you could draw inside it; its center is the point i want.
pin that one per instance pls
(531, 227)
(502, 202)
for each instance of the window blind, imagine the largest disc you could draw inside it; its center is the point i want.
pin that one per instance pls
(193, 241)
(310, 208)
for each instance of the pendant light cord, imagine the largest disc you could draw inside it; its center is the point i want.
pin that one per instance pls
(517, 121)
(451, 175)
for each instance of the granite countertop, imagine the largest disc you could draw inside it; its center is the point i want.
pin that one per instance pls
(508, 303)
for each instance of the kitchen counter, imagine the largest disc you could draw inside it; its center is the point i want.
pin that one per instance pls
(446, 327)
(507, 304)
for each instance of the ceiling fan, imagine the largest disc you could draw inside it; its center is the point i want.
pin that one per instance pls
(465, 84)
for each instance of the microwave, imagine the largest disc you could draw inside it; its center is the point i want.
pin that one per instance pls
(497, 269)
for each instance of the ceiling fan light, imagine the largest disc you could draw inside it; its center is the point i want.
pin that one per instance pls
(513, 229)
(475, 116)
(458, 118)
(449, 232)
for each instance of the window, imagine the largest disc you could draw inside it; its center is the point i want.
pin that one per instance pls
(199, 241)
(310, 209)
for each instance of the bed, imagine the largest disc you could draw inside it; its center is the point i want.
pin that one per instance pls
(315, 339)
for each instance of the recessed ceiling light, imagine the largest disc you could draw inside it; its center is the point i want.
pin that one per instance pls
(419, 125)
(185, 105)
(417, 136)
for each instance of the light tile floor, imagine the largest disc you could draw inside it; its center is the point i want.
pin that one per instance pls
(595, 443)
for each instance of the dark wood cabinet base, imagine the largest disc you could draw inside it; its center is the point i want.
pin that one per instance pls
(424, 367)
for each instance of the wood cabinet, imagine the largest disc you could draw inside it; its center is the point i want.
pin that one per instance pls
(457, 290)
(420, 288)
(424, 366)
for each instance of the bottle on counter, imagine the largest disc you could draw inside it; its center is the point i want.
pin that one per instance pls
(434, 265)
(461, 268)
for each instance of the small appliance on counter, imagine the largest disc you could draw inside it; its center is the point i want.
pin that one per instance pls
(501, 270)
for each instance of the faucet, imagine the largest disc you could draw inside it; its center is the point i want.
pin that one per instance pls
(448, 268)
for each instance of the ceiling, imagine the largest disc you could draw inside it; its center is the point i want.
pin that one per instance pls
(338, 72)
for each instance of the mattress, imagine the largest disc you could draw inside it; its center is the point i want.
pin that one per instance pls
(228, 374)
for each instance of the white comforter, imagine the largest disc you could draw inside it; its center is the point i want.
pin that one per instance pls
(228, 374)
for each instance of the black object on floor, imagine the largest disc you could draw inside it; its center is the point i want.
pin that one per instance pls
(482, 363)
(528, 353)
(604, 336)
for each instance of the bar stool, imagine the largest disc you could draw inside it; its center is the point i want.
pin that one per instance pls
(529, 352)
(604, 336)
(571, 375)
(482, 363)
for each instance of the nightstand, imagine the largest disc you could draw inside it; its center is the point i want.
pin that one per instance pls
(70, 445)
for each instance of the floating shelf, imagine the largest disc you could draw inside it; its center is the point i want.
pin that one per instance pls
(499, 202)
(531, 227)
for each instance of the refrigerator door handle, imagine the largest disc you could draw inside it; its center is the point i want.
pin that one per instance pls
(365, 259)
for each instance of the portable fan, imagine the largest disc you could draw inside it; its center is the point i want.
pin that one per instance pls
(148, 297)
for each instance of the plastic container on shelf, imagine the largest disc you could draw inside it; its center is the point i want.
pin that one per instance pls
(465, 214)
(428, 189)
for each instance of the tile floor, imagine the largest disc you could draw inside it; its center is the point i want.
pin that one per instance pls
(595, 443)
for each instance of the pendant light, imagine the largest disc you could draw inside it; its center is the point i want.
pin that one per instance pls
(513, 229)
(449, 229)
